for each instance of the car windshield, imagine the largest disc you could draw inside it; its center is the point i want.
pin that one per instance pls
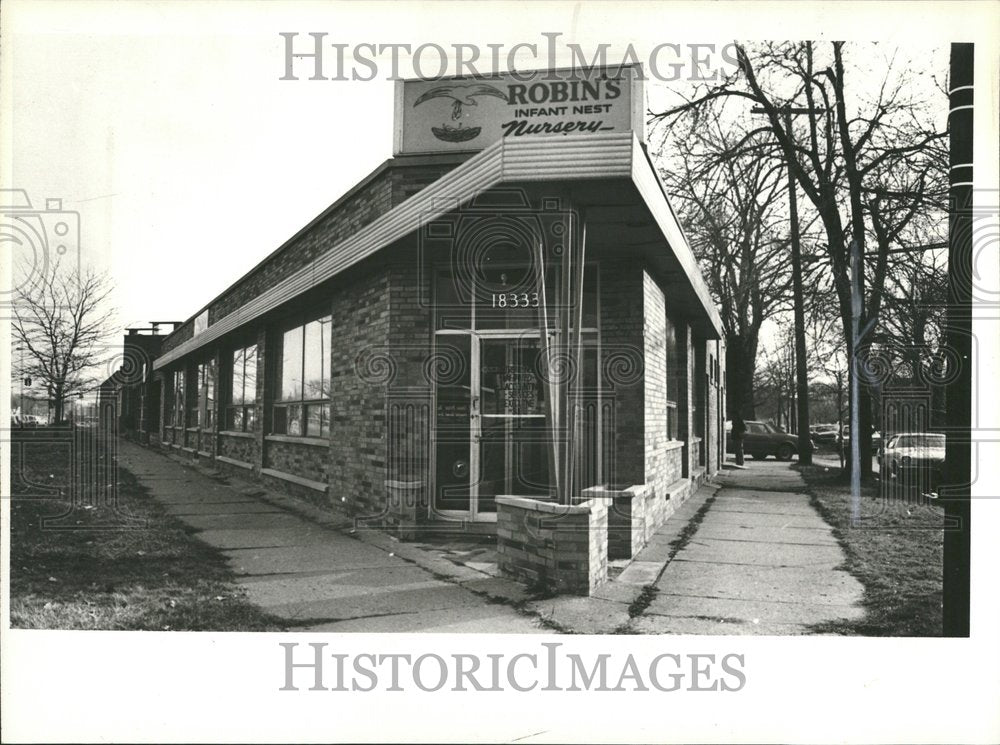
(920, 441)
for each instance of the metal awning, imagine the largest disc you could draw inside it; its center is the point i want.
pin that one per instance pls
(580, 158)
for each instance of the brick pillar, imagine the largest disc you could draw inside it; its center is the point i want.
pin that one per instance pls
(555, 547)
(685, 426)
(408, 399)
(699, 401)
(722, 415)
(712, 406)
(262, 412)
(161, 381)
(218, 410)
(190, 395)
(655, 360)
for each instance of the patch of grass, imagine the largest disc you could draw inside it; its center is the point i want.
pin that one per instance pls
(642, 601)
(896, 553)
(148, 573)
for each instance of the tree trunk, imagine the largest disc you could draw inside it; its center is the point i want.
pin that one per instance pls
(741, 363)
(58, 407)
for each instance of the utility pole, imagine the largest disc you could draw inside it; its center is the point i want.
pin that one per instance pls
(956, 493)
(801, 367)
(858, 334)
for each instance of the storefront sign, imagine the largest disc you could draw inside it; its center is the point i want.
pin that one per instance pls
(463, 114)
(520, 391)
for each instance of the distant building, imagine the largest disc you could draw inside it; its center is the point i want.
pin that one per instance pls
(132, 388)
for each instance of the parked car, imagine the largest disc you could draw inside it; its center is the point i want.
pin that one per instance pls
(844, 439)
(763, 439)
(824, 433)
(26, 420)
(914, 458)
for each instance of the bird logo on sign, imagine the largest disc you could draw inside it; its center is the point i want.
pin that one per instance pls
(461, 95)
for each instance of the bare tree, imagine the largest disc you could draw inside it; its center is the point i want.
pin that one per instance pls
(830, 359)
(61, 319)
(731, 208)
(867, 154)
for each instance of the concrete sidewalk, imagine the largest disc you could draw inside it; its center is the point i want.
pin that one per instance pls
(316, 577)
(753, 557)
(760, 561)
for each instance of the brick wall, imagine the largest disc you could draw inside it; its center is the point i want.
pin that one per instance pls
(622, 367)
(664, 458)
(359, 366)
(237, 448)
(309, 461)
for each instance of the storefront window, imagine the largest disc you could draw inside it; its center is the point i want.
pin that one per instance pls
(674, 377)
(302, 398)
(206, 395)
(191, 383)
(175, 404)
(241, 410)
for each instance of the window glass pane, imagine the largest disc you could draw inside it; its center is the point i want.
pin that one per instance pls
(280, 424)
(325, 430)
(250, 374)
(291, 365)
(236, 394)
(327, 323)
(451, 302)
(249, 418)
(314, 420)
(294, 419)
(209, 403)
(178, 397)
(590, 296)
(317, 359)
(673, 359)
(506, 296)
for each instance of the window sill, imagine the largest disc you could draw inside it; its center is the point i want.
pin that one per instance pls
(308, 483)
(673, 445)
(236, 433)
(292, 439)
(234, 462)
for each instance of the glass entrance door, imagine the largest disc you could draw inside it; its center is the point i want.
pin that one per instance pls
(490, 425)
(512, 453)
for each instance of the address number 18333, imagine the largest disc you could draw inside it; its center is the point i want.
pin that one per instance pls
(515, 300)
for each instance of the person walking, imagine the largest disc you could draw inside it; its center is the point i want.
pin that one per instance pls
(739, 430)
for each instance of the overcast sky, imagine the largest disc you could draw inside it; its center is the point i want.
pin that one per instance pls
(167, 127)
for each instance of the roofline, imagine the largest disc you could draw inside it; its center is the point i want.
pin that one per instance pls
(405, 161)
(579, 157)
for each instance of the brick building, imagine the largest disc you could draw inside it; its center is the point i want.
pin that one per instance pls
(132, 389)
(387, 360)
